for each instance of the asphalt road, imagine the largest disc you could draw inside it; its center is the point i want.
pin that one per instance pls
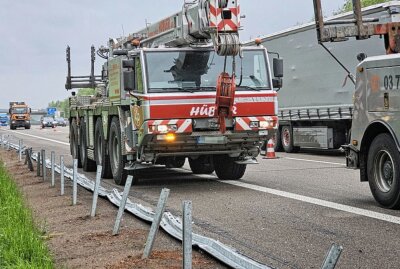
(285, 212)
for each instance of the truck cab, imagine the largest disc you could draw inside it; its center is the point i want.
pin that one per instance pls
(20, 115)
(159, 107)
(374, 147)
(178, 98)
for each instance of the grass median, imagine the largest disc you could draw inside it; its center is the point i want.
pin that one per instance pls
(21, 244)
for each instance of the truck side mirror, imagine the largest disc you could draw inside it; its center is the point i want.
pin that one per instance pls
(278, 67)
(277, 83)
(129, 80)
(128, 63)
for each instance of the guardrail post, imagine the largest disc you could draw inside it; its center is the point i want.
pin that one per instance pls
(2, 139)
(20, 149)
(53, 160)
(96, 191)
(38, 165)
(8, 143)
(44, 170)
(62, 174)
(122, 205)
(332, 257)
(28, 159)
(156, 222)
(75, 183)
(187, 235)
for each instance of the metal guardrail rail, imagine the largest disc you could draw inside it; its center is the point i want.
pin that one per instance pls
(173, 225)
(169, 223)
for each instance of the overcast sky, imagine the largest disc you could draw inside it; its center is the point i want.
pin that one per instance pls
(35, 33)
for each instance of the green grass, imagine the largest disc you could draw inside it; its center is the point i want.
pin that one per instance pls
(21, 245)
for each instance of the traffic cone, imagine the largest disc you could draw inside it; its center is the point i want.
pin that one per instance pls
(270, 150)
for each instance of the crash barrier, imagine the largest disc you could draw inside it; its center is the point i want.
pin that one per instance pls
(173, 225)
(187, 234)
(332, 257)
(156, 222)
(96, 190)
(122, 204)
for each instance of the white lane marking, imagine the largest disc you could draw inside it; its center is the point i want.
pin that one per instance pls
(313, 161)
(42, 138)
(315, 201)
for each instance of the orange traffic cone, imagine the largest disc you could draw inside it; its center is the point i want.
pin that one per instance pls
(270, 151)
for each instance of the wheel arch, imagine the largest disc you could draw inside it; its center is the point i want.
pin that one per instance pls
(374, 129)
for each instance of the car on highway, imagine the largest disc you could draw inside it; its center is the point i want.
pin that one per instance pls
(3, 119)
(48, 122)
(61, 122)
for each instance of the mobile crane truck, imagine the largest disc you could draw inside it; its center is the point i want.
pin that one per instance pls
(180, 88)
(375, 131)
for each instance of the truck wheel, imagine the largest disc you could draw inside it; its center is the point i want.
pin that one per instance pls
(287, 140)
(383, 169)
(227, 169)
(117, 160)
(277, 141)
(28, 126)
(176, 162)
(202, 165)
(88, 165)
(73, 142)
(100, 145)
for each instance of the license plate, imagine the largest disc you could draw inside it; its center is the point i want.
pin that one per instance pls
(211, 140)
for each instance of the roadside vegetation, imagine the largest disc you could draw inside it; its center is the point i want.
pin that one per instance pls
(364, 3)
(21, 245)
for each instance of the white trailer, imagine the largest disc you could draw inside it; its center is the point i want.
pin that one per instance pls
(316, 100)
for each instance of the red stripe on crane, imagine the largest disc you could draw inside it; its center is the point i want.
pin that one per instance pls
(227, 23)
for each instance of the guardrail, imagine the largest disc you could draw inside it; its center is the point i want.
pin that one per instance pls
(171, 224)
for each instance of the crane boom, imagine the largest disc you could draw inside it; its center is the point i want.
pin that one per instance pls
(199, 22)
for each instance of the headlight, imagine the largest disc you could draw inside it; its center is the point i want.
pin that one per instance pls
(162, 128)
(166, 128)
(27, 121)
(266, 124)
(254, 124)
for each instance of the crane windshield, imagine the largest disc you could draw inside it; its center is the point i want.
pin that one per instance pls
(192, 71)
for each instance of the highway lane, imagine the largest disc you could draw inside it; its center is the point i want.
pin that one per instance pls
(273, 228)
